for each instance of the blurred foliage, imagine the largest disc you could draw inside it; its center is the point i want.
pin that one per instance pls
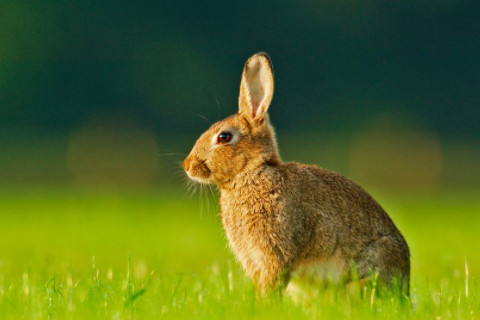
(339, 64)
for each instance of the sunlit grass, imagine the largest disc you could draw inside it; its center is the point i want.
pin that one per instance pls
(81, 254)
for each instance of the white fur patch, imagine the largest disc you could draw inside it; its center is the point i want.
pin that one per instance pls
(198, 179)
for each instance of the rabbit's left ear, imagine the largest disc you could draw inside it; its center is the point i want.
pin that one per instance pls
(256, 88)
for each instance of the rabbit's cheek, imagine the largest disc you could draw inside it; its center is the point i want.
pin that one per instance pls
(235, 166)
(227, 170)
(240, 163)
(223, 174)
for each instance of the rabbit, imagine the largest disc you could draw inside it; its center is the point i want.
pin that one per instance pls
(286, 218)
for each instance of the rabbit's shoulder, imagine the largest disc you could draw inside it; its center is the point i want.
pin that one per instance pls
(315, 184)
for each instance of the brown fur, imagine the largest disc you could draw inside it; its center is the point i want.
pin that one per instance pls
(283, 218)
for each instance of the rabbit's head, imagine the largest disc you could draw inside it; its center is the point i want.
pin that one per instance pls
(242, 142)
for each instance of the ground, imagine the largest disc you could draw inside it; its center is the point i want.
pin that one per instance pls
(82, 253)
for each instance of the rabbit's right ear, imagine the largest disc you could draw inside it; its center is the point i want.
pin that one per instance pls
(256, 88)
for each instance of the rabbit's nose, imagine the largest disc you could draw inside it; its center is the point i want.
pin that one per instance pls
(187, 163)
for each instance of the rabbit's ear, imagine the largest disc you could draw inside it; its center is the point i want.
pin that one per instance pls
(256, 88)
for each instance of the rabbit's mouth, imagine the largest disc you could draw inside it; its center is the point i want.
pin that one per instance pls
(197, 169)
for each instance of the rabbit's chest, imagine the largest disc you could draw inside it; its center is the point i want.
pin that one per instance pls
(248, 236)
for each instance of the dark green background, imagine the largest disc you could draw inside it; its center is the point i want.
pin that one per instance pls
(154, 66)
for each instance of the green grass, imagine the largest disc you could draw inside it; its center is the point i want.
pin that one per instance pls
(82, 254)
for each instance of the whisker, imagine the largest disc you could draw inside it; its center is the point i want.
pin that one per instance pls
(218, 106)
(203, 117)
(184, 177)
(214, 196)
(208, 199)
(200, 198)
(191, 187)
(210, 92)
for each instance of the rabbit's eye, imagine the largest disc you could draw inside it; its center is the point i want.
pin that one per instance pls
(224, 137)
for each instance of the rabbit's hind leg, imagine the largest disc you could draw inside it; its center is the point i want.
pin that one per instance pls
(384, 262)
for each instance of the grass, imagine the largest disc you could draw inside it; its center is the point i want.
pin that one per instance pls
(83, 254)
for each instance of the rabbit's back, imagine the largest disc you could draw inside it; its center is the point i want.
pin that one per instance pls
(343, 221)
(331, 201)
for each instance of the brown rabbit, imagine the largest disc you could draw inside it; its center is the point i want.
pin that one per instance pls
(284, 218)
